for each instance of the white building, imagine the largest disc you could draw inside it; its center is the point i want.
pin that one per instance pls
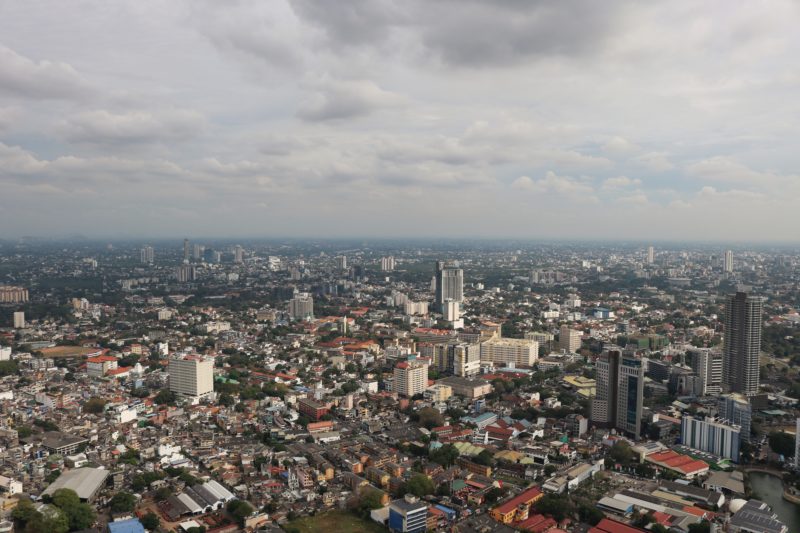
(569, 340)
(411, 377)
(19, 319)
(707, 364)
(387, 263)
(191, 376)
(10, 486)
(728, 261)
(510, 352)
(416, 308)
(301, 307)
(797, 444)
(712, 436)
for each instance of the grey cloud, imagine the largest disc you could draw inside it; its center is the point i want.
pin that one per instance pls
(104, 127)
(471, 32)
(346, 99)
(23, 77)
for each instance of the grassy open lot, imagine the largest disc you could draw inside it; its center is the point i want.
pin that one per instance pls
(334, 522)
(66, 351)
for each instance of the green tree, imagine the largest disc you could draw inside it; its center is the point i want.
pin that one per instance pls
(165, 397)
(621, 453)
(52, 520)
(484, 458)
(445, 455)
(590, 515)
(79, 515)
(122, 502)
(420, 485)
(8, 368)
(94, 405)
(430, 417)
(24, 512)
(700, 527)
(150, 521)
(557, 506)
(239, 510)
(368, 499)
(781, 443)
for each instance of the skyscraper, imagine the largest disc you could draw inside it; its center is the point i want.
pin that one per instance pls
(301, 307)
(710, 435)
(651, 255)
(728, 261)
(238, 254)
(341, 262)
(569, 340)
(146, 255)
(619, 396)
(191, 376)
(411, 377)
(735, 409)
(387, 263)
(707, 364)
(449, 284)
(19, 319)
(185, 273)
(797, 443)
(742, 342)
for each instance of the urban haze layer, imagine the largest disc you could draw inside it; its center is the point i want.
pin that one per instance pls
(403, 386)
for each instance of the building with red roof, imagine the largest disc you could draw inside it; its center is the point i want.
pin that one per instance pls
(607, 525)
(683, 465)
(507, 512)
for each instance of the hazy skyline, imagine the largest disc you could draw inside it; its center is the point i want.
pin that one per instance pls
(508, 118)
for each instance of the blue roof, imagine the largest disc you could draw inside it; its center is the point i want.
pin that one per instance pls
(480, 418)
(126, 526)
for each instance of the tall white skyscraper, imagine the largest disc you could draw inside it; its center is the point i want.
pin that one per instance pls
(238, 254)
(569, 340)
(449, 284)
(19, 319)
(797, 443)
(301, 307)
(707, 364)
(341, 262)
(728, 261)
(186, 250)
(411, 377)
(651, 255)
(185, 273)
(191, 376)
(710, 435)
(387, 263)
(619, 396)
(146, 255)
(742, 342)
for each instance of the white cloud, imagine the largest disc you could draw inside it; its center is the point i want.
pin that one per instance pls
(23, 77)
(621, 182)
(619, 146)
(104, 127)
(655, 161)
(390, 106)
(552, 183)
(725, 169)
(345, 99)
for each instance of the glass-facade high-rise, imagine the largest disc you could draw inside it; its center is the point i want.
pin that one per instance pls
(742, 343)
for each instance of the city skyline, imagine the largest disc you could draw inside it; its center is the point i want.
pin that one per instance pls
(647, 122)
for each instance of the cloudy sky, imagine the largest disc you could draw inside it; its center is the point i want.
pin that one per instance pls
(401, 118)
